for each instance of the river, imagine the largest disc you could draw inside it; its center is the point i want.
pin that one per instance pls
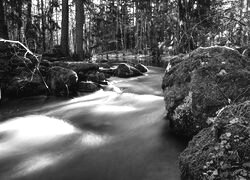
(107, 135)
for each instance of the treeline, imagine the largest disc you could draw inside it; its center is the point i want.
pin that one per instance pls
(84, 27)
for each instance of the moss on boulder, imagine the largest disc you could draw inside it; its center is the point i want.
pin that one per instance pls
(61, 81)
(202, 82)
(222, 151)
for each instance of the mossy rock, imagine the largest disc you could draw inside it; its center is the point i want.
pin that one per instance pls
(202, 82)
(125, 71)
(61, 81)
(77, 66)
(222, 151)
(87, 87)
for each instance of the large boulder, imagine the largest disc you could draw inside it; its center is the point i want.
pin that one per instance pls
(124, 71)
(23, 85)
(220, 152)
(61, 81)
(201, 83)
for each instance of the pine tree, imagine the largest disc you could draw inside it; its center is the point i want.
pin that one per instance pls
(79, 28)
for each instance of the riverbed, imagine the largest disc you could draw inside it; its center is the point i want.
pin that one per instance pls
(118, 133)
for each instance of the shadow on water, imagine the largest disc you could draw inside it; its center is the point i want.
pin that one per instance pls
(101, 136)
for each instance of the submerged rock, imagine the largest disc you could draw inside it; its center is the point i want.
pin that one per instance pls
(221, 151)
(124, 71)
(201, 83)
(62, 81)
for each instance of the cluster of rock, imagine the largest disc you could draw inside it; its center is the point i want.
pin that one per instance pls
(27, 76)
(196, 86)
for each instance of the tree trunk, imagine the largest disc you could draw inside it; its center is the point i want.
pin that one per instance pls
(137, 27)
(248, 22)
(65, 28)
(3, 27)
(79, 28)
(43, 26)
(29, 17)
(19, 23)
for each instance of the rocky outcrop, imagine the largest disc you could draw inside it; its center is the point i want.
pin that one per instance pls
(201, 83)
(124, 71)
(221, 151)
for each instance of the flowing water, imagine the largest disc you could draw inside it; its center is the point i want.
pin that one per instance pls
(108, 135)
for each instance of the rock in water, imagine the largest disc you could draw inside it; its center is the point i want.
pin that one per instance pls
(83, 69)
(124, 71)
(203, 82)
(87, 86)
(141, 67)
(77, 66)
(61, 80)
(96, 77)
(221, 151)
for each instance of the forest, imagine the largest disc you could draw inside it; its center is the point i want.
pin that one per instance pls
(83, 28)
(125, 89)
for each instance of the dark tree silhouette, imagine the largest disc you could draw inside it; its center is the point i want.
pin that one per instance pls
(3, 26)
